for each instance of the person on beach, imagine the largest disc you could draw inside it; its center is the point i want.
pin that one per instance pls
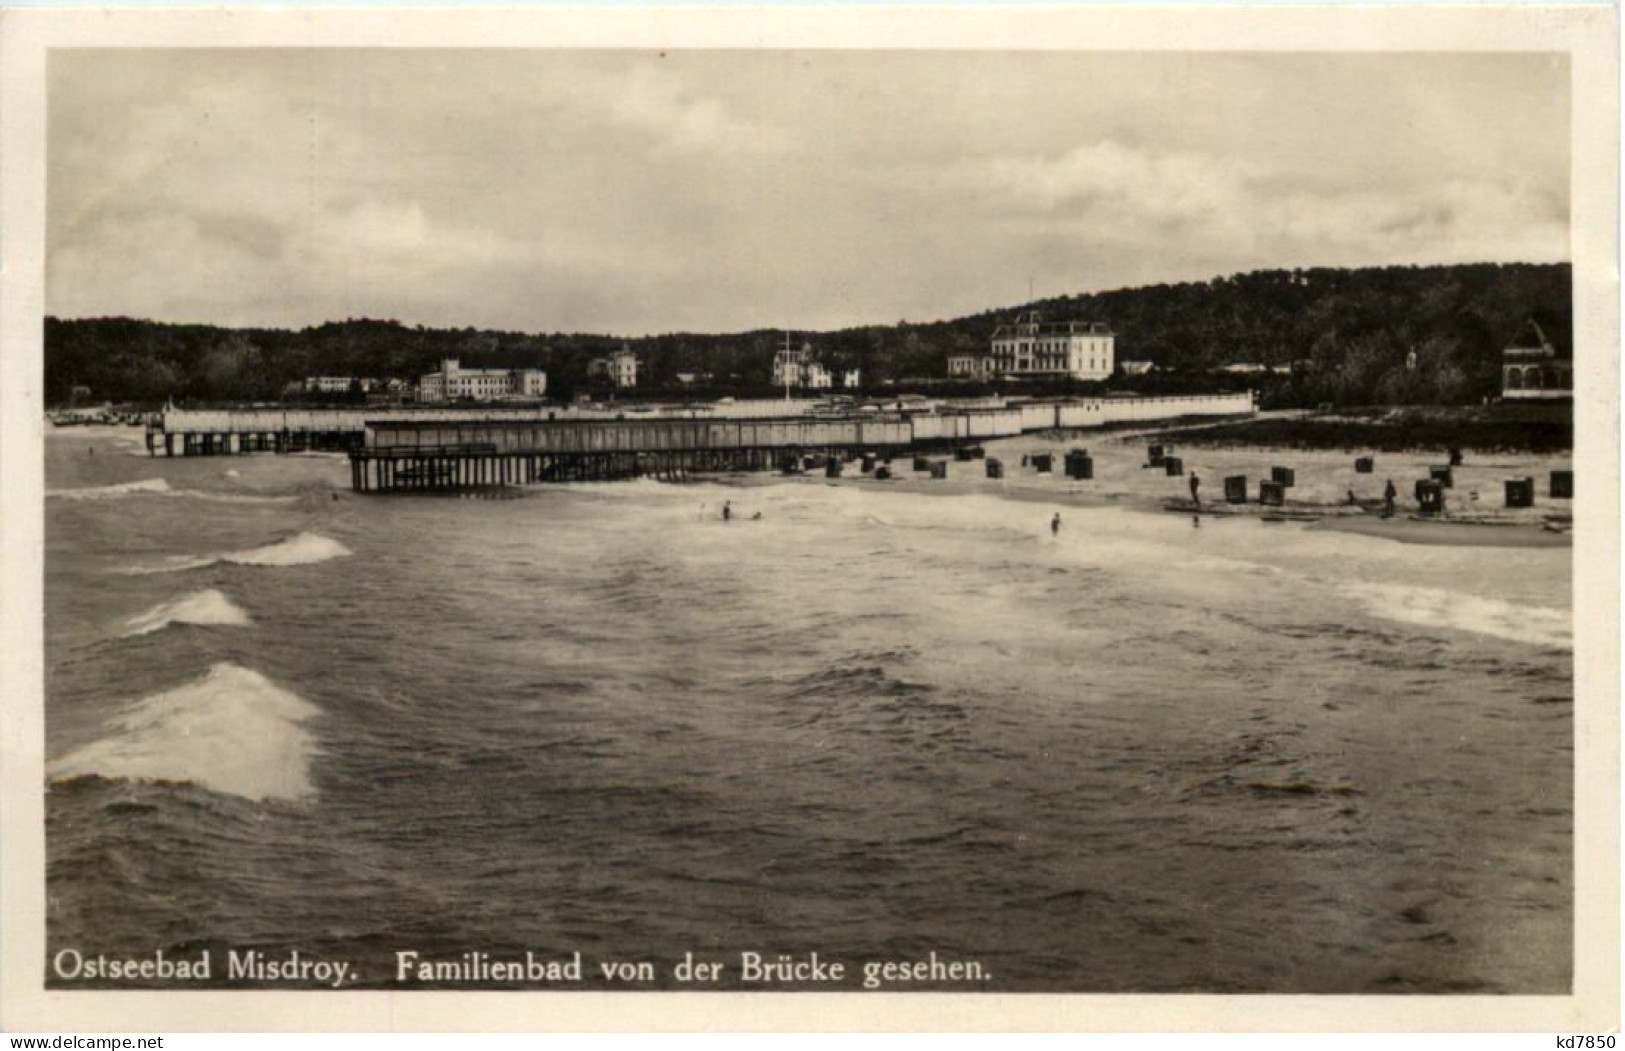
(1055, 524)
(1388, 496)
(727, 510)
(1196, 485)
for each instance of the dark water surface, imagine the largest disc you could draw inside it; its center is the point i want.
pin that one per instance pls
(1135, 757)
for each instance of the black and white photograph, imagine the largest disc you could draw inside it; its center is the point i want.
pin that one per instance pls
(781, 519)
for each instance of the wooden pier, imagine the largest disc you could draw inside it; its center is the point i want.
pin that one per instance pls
(462, 455)
(239, 442)
(477, 467)
(484, 449)
(184, 432)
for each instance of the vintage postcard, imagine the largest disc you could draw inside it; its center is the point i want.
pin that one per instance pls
(1004, 518)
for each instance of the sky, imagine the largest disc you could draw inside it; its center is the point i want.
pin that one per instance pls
(631, 192)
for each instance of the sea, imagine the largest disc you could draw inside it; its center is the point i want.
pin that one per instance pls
(1138, 753)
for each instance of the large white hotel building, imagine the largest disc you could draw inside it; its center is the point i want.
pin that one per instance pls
(1032, 347)
(453, 382)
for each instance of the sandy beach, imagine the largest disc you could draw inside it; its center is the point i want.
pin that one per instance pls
(1318, 499)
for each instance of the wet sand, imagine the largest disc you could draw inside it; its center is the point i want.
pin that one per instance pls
(1454, 534)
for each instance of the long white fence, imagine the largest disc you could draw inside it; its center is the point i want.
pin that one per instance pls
(936, 423)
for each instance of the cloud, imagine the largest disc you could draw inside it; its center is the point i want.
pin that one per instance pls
(1114, 194)
(628, 191)
(654, 101)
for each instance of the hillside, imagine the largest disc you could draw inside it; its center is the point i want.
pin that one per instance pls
(1347, 333)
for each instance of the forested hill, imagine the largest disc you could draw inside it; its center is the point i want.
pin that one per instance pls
(1347, 332)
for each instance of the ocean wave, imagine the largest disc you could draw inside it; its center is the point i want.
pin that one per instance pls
(162, 487)
(231, 498)
(302, 550)
(232, 731)
(111, 492)
(209, 607)
(1438, 608)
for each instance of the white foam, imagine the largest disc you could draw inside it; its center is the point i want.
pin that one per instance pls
(209, 607)
(302, 550)
(1438, 608)
(232, 731)
(161, 487)
(110, 492)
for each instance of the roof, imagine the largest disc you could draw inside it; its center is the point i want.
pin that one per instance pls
(1026, 327)
(1532, 340)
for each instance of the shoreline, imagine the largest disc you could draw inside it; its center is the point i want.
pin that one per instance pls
(1446, 533)
(1490, 529)
(1404, 529)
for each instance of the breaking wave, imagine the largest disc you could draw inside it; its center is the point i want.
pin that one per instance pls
(1437, 608)
(111, 492)
(302, 550)
(232, 731)
(209, 607)
(161, 487)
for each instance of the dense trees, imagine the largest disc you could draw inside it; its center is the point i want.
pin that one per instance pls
(1421, 335)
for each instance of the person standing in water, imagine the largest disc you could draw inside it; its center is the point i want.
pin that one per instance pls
(1196, 484)
(1055, 524)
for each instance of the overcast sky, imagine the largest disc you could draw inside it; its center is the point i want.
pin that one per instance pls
(631, 192)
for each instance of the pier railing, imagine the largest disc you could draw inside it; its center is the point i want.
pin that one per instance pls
(456, 448)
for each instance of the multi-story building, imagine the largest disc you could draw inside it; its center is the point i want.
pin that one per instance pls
(816, 375)
(1084, 350)
(1533, 367)
(970, 366)
(790, 364)
(620, 368)
(796, 367)
(454, 382)
(1032, 347)
(623, 367)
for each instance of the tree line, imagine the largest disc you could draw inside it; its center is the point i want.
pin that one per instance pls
(1373, 335)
